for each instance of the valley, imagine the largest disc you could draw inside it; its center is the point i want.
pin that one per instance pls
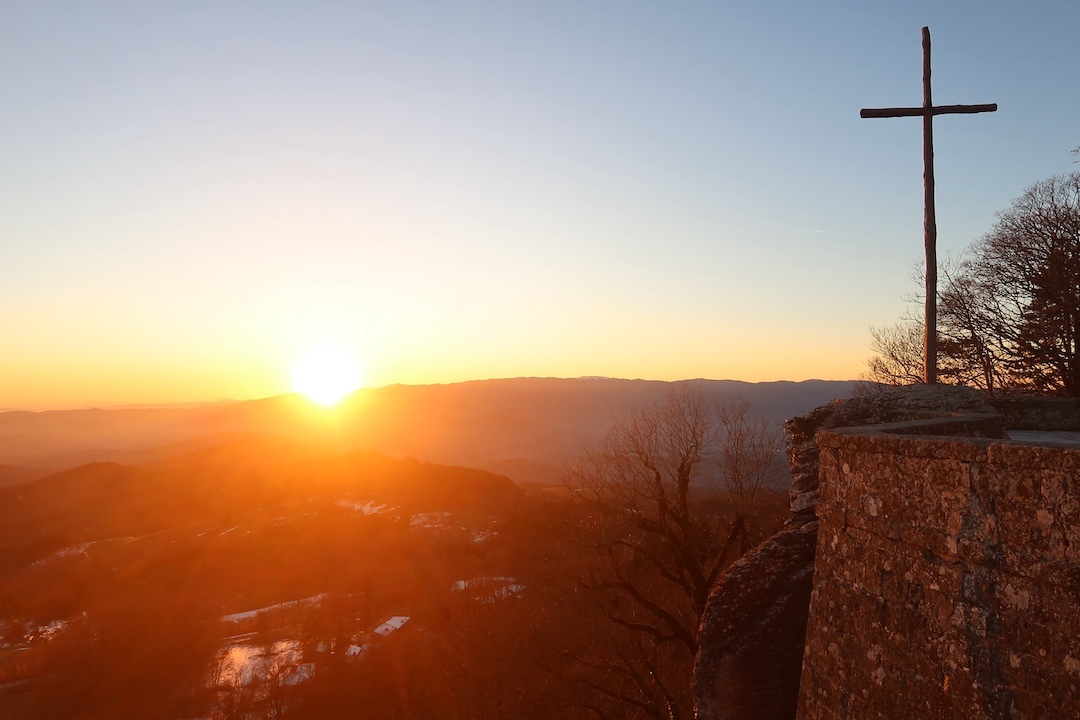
(248, 573)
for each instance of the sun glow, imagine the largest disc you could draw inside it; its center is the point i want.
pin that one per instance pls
(325, 375)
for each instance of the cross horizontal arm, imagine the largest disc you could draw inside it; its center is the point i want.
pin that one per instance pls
(935, 110)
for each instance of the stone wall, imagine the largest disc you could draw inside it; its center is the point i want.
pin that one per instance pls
(751, 639)
(947, 578)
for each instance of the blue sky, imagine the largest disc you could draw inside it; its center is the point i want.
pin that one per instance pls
(192, 193)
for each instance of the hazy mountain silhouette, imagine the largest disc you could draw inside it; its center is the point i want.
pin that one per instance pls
(525, 427)
(16, 474)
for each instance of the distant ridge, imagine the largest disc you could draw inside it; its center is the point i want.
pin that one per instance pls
(16, 475)
(533, 425)
(64, 407)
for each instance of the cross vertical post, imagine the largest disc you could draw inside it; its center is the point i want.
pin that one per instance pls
(927, 112)
(929, 221)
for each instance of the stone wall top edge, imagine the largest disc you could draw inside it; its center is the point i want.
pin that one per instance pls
(871, 440)
(996, 451)
(977, 425)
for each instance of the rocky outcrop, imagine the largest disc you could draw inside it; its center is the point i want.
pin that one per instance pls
(753, 629)
(751, 639)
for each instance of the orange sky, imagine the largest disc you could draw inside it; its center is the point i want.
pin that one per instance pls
(166, 371)
(195, 194)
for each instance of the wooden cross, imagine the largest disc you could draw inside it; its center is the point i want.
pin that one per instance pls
(927, 112)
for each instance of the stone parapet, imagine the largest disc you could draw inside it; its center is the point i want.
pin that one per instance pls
(947, 577)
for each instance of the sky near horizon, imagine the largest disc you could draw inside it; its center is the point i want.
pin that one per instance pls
(194, 194)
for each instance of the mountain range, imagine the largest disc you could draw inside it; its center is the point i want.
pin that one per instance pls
(525, 428)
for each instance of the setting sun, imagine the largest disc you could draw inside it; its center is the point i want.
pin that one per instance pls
(325, 375)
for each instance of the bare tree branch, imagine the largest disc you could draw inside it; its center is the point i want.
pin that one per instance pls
(670, 485)
(1010, 309)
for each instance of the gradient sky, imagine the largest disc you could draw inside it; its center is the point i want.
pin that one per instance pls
(192, 193)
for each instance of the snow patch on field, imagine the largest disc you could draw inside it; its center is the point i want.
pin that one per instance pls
(249, 614)
(368, 508)
(73, 551)
(489, 589)
(44, 633)
(394, 623)
(279, 664)
(435, 521)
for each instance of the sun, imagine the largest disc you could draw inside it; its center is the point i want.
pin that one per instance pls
(325, 375)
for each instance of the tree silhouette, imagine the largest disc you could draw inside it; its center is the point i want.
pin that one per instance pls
(656, 481)
(1010, 309)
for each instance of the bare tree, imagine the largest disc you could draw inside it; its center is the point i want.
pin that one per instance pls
(751, 454)
(647, 469)
(1009, 310)
(649, 480)
(1029, 265)
(962, 335)
(898, 354)
(970, 348)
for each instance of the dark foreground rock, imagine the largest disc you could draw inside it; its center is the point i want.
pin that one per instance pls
(753, 628)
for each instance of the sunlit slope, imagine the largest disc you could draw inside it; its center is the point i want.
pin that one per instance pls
(221, 484)
(135, 568)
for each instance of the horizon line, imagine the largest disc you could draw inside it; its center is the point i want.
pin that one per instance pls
(187, 404)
